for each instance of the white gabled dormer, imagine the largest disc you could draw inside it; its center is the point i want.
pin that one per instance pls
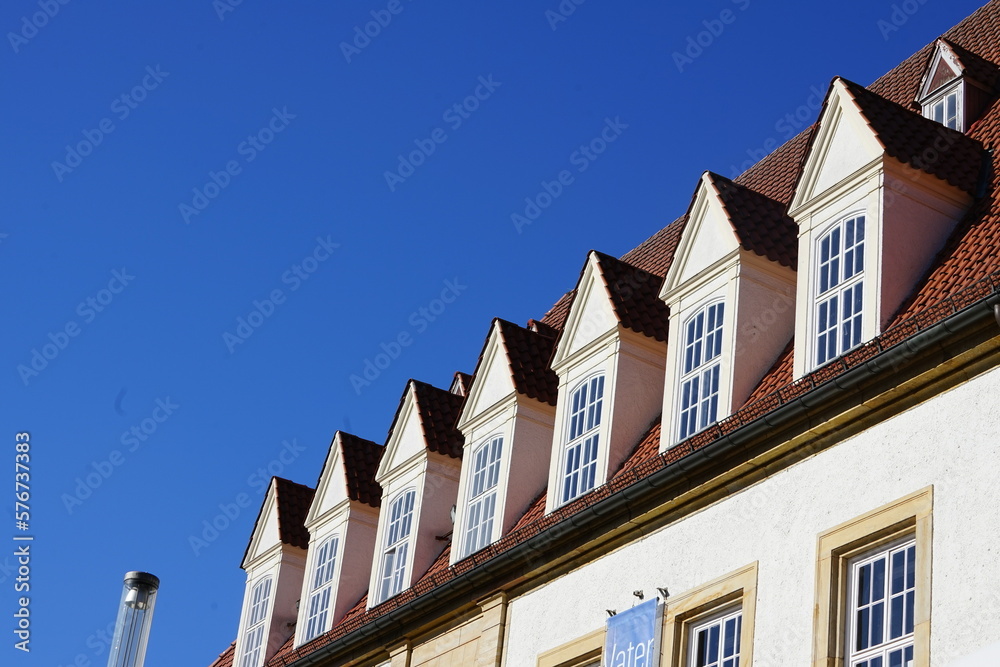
(609, 360)
(274, 562)
(880, 191)
(342, 523)
(507, 424)
(419, 475)
(956, 87)
(731, 295)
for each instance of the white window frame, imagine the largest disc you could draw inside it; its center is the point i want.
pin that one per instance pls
(256, 629)
(581, 453)
(827, 342)
(396, 552)
(321, 590)
(939, 99)
(884, 607)
(484, 480)
(698, 371)
(729, 619)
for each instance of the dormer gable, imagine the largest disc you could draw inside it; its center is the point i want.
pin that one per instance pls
(723, 218)
(609, 357)
(507, 423)
(730, 293)
(871, 214)
(461, 384)
(957, 86)
(857, 129)
(513, 360)
(275, 564)
(419, 475)
(348, 474)
(342, 522)
(610, 296)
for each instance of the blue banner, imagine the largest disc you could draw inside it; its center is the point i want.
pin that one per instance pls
(633, 637)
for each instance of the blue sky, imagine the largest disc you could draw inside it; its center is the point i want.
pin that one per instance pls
(216, 214)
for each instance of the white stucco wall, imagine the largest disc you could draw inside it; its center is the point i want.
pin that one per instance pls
(950, 442)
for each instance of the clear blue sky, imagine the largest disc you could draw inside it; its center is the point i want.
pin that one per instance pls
(272, 137)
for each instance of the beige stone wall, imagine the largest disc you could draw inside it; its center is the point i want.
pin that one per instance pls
(457, 646)
(475, 641)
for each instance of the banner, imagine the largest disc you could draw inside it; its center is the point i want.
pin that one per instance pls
(633, 637)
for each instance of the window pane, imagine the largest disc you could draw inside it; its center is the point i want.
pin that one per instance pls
(839, 312)
(699, 383)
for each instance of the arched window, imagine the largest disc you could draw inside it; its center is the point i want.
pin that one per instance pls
(253, 638)
(699, 385)
(580, 454)
(397, 545)
(839, 294)
(318, 610)
(483, 495)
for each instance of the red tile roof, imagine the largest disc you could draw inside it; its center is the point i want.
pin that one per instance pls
(528, 355)
(761, 224)
(361, 458)
(439, 411)
(635, 297)
(293, 502)
(657, 252)
(556, 317)
(778, 376)
(777, 174)
(225, 658)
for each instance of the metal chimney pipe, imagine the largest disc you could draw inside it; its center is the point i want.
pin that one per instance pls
(135, 615)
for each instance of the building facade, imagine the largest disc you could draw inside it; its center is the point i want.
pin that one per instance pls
(767, 435)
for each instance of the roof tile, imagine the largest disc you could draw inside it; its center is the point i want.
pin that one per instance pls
(361, 458)
(635, 297)
(439, 411)
(528, 354)
(761, 224)
(293, 502)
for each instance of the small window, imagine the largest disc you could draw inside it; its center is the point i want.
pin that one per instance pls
(945, 110)
(882, 587)
(483, 495)
(716, 642)
(253, 639)
(580, 457)
(840, 289)
(396, 552)
(700, 366)
(318, 610)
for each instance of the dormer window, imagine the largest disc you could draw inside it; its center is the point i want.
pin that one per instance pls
(729, 291)
(579, 471)
(610, 361)
(699, 384)
(945, 108)
(253, 641)
(483, 495)
(507, 423)
(342, 522)
(957, 87)
(881, 190)
(840, 298)
(322, 587)
(419, 475)
(397, 544)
